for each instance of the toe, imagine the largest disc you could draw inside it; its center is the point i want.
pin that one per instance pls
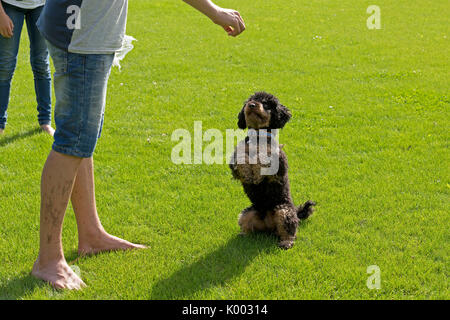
(71, 286)
(58, 285)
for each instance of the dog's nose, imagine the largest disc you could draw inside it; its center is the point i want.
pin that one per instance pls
(251, 105)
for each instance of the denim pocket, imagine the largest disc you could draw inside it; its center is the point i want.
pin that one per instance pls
(99, 64)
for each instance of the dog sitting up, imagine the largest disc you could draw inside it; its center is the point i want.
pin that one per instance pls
(272, 208)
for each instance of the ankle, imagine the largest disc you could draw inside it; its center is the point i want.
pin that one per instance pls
(91, 234)
(44, 260)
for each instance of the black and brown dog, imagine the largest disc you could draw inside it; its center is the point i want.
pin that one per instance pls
(272, 208)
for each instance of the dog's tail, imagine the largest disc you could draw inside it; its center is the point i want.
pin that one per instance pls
(305, 210)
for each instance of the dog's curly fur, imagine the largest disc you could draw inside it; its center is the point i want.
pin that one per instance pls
(272, 207)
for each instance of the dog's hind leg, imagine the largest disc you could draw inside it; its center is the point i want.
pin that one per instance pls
(286, 223)
(250, 221)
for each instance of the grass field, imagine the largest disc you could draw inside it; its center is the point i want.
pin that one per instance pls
(369, 141)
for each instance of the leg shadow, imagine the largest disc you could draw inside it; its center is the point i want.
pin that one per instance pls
(19, 287)
(214, 269)
(9, 139)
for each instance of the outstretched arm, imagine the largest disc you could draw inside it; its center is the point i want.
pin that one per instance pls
(230, 20)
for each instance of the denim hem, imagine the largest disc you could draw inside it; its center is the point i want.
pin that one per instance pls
(71, 152)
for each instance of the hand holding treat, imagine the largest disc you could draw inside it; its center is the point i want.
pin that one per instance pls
(230, 20)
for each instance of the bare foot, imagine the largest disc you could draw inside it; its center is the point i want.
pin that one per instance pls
(1, 131)
(48, 128)
(58, 274)
(105, 242)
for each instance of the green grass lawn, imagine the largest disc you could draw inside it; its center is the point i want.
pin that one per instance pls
(369, 141)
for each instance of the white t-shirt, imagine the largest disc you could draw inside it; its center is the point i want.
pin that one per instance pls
(25, 4)
(102, 31)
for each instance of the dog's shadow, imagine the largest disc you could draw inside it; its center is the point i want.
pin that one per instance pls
(214, 269)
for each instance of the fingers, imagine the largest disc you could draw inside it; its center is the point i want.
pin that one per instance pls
(235, 29)
(231, 21)
(8, 30)
(238, 25)
(241, 21)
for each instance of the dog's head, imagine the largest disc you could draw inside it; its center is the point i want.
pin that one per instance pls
(263, 111)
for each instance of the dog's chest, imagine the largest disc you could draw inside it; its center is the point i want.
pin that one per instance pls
(251, 160)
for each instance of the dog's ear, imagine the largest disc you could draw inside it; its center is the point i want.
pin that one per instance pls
(242, 124)
(281, 117)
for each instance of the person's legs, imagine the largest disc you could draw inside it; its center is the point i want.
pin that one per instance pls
(80, 88)
(57, 182)
(9, 48)
(91, 235)
(40, 64)
(92, 238)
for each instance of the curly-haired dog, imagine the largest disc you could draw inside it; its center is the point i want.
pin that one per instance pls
(272, 207)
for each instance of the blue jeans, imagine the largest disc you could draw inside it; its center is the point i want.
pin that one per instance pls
(80, 83)
(9, 48)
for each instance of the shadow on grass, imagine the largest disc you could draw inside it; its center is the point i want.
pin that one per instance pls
(214, 269)
(72, 257)
(19, 287)
(22, 135)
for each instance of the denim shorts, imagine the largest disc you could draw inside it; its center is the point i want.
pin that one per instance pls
(80, 82)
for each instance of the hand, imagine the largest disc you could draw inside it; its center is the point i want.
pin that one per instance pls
(230, 20)
(6, 26)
